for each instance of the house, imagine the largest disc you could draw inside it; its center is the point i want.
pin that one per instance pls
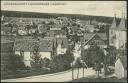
(121, 67)
(22, 32)
(112, 32)
(25, 48)
(56, 30)
(6, 30)
(91, 39)
(62, 45)
(2, 17)
(48, 47)
(42, 28)
(89, 27)
(118, 33)
(121, 34)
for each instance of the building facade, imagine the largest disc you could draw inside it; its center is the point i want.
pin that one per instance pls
(121, 67)
(118, 34)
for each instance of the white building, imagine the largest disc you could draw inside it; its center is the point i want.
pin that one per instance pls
(62, 45)
(121, 67)
(98, 39)
(118, 34)
(25, 48)
(48, 47)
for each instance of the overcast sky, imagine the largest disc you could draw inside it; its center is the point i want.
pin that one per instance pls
(98, 8)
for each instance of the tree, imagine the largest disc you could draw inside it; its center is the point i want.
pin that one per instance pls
(112, 52)
(94, 57)
(61, 63)
(45, 62)
(98, 60)
(36, 58)
(16, 63)
(69, 55)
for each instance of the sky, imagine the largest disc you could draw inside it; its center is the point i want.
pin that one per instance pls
(97, 8)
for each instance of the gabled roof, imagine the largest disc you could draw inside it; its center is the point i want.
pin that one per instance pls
(123, 60)
(28, 44)
(114, 24)
(87, 36)
(25, 44)
(45, 44)
(122, 25)
(97, 37)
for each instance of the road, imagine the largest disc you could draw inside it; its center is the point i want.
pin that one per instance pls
(56, 77)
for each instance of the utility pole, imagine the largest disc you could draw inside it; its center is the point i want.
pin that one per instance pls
(82, 58)
(82, 47)
(72, 61)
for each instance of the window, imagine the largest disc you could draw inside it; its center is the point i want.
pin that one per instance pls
(22, 54)
(112, 41)
(121, 44)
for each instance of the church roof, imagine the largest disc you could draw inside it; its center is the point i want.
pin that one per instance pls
(63, 41)
(122, 25)
(114, 23)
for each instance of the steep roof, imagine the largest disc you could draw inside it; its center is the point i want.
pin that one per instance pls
(97, 37)
(28, 44)
(87, 36)
(63, 41)
(122, 25)
(123, 60)
(114, 23)
(25, 44)
(45, 44)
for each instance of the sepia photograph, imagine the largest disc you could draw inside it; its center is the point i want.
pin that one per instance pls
(64, 41)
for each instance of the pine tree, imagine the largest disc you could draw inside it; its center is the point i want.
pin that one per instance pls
(36, 58)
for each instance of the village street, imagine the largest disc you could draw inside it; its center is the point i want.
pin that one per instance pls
(56, 77)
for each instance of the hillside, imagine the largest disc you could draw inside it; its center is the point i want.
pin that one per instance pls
(54, 15)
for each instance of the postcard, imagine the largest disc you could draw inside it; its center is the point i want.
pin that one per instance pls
(63, 41)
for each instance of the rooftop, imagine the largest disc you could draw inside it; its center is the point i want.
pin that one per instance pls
(123, 60)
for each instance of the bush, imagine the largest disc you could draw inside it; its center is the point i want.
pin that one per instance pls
(60, 63)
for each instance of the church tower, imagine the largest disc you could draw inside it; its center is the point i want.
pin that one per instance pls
(121, 34)
(112, 32)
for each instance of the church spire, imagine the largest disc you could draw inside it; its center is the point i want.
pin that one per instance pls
(122, 23)
(114, 23)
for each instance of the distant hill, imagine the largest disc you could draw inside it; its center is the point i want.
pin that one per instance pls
(54, 15)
